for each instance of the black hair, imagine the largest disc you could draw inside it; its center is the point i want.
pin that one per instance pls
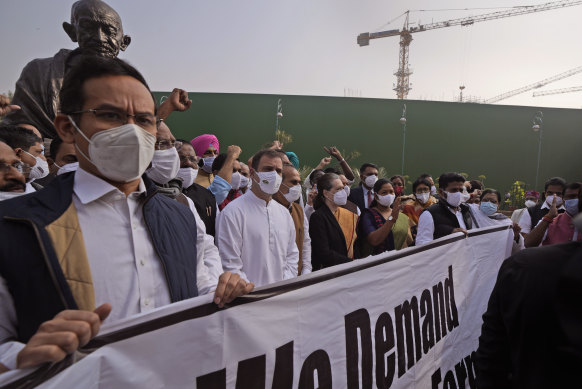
(18, 137)
(559, 181)
(420, 181)
(331, 170)
(323, 183)
(72, 97)
(573, 185)
(425, 175)
(266, 152)
(487, 191)
(398, 176)
(446, 178)
(377, 186)
(475, 184)
(312, 179)
(367, 165)
(55, 147)
(288, 165)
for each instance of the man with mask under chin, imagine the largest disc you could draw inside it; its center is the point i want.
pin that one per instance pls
(256, 235)
(100, 242)
(449, 215)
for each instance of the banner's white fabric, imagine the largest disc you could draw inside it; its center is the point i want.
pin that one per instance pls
(410, 323)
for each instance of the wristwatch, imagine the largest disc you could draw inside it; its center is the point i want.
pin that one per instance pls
(390, 218)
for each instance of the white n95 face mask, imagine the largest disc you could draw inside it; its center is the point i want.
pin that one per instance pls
(422, 197)
(244, 181)
(530, 203)
(188, 175)
(165, 165)
(269, 182)
(235, 181)
(371, 180)
(454, 199)
(40, 168)
(294, 193)
(340, 198)
(70, 167)
(386, 200)
(121, 154)
(433, 190)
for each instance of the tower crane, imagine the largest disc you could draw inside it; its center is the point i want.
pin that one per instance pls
(535, 85)
(558, 91)
(403, 74)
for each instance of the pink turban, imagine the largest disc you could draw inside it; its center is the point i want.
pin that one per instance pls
(203, 142)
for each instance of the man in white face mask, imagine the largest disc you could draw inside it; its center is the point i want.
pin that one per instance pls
(288, 194)
(449, 215)
(245, 174)
(557, 227)
(63, 158)
(553, 189)
(203, 199)
(12, 182)
(363, 195)
(101, 237)
(255, 235)
(30, 150)
(165, 162)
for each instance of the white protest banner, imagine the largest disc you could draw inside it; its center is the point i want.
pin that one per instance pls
(404, 319)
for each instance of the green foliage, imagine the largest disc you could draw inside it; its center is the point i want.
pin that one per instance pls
(517, 195)
(304, 172)
(283, 137)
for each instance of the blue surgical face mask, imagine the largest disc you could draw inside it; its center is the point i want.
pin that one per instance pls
(571, 206)
(488, 208)
(206, 164)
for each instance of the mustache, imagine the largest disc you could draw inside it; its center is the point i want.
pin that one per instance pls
(12, 185)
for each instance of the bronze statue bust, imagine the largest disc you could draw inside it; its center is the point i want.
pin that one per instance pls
(97, 29)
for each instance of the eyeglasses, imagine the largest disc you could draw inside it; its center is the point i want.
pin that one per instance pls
(165, 144)
(21, 167)
(112, 117)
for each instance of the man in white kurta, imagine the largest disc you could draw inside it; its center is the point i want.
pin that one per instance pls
(255, 234)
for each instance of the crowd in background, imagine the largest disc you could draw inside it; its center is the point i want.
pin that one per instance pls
(104, 213)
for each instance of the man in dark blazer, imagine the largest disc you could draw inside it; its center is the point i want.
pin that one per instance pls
(363, 195)
(531, 334)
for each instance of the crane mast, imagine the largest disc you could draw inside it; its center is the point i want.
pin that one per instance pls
(403, 73)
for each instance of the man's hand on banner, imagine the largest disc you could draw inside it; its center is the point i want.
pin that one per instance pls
(464, 231)
(63, 335)
(230, 286)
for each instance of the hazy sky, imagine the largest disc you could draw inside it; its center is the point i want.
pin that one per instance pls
(308, 47)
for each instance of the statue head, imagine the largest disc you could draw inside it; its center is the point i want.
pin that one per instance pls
(97, 28)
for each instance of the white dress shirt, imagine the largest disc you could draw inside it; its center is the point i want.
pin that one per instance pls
(306, 252)
(525, 220)
(425, 231)
(125, 268)
(365, 191)
(257, 240)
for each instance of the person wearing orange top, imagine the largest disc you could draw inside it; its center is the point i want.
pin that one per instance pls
(419, 201)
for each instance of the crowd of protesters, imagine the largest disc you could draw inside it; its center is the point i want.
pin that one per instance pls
(118, 217)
